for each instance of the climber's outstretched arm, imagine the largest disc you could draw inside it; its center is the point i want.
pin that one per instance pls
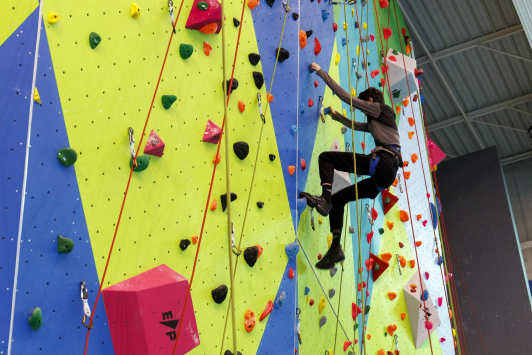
(358, 126)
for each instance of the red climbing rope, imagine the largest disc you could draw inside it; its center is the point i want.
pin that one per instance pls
(128, 182)
(212, 180)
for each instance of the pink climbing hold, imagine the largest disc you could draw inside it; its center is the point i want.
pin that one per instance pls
(426, 275)
(428, 325)
(310, 103)
(442, 340)
(440, 301)
(208, 20)
(370, 236)
(154, 145)
(387, 33)
(212, 133)
(424, 223)
(154, 302)
(374, 73)
(428, 195)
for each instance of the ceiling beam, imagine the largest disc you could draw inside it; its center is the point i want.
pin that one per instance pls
(481, 112)
(430, 57)
(505, 53)
(500, 126)
(520, 111)
(414, 30)
(516, 158)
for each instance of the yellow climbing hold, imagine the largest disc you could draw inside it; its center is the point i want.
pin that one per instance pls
(345, 26)
(344, 113)
(320, 221)
(454, 333)
(337, 58)
(367, 51)
(36, 96)
(329, 240)
(353, 92)
(358, 51)
(321, 306)
(308, 298)
(53, 17)
(353, 12)
(365, 26)
(135, 10)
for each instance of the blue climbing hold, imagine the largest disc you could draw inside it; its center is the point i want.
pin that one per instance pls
(293, 129)
(301, 204)
(291, 250)
(327, 111)
(307, 290)
(280, 300)
(425, 295)
(434, 216)
(439, 261)
(422, 99)
(324, 14)
(302, 108)
(344, 41)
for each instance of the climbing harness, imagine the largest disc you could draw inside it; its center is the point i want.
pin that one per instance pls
(298, 327)
(398, 264)
(259, 100)
(132, 146)
(86, 307)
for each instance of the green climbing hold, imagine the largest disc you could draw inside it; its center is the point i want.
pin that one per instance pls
(142, 163)
(381, 231)
(356, 327)
(185, 50)
(369, 64)
(387, 201)
(203, 5)
(67, 156)
(397, 94)
(168, 100)
(395, 52)
(376, 267)
(94, 39)
(367, 309)
(64, 245)
(35, 321)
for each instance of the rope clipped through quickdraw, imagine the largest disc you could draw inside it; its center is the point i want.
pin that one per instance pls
(89, 327)
(263, 119)
(421, 157)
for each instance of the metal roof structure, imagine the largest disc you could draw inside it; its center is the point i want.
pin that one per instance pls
(477, 80)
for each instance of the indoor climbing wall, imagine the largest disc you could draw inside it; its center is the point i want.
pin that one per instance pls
(171, 229)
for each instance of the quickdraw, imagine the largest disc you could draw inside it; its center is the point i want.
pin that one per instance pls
(371, 221)
(312, 218)
(298, 327)
(132, 146)
(322, 114)
(236, 251)
(262, 117)
(399, 264)
(285, 6)
(171, 11)
(399, 180)
(86, 307)
(396, 343)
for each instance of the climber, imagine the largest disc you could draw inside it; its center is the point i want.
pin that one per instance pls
(381, 165)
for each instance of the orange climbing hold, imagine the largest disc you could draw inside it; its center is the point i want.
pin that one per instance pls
(209, 29)
(414, 158)
(253, 4)
(207, 48)
(405, 102)
(392, 295)
(392, 328)
(241, 106)
(390, 225)
(418, 243)
(403, 316)
(302, 39)
(418, 217)
(194, 239)
(260, 250)
(381, 352)
(214, 205)
(402, 261)
(412, 263)
(269, 97)
(395, 183)
(250, 320)
(368, 336)
(291, 170)
(386, 257)
(405, 163)
(403, 216)
(410, 135)
(217, 159)
(407, 174)
(398, 109)
(413, 286)
(411, 121)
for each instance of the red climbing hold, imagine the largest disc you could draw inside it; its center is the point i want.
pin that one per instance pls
(392, 58)
(401, 245)
(385, 69)
(393, 200)
(317, 46)
(311, 302)
(383, 4)
(415, 98)
(347, 344)
(403, 31)
(154, 145)
(310, 103)
(370, 236)
(418, 72)
(335, 27)
(374, 214)
(319, 256)
(372, 37)
(383, 81)
(387, 33)
(212, 133)
(315, 84)
(369, 264)
(363, 145)
(291, 274)
(303, 164)
(374, 73)
(383, 265)
(208, 21)
(355, 310)
(267, 310)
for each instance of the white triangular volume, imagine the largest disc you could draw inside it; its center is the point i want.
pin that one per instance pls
(341, 178)
(416, 313)
(396, 76)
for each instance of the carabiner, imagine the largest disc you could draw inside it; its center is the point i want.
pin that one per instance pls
(398, 264)
(86, 307)
(285, 6)
(262, 117)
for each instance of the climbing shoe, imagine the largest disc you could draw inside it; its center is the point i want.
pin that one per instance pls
(333, 256)
(318, 202)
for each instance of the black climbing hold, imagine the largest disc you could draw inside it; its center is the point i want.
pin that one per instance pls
(295, 15)
(236, 22)
(219, 294)
(234, 86)
(311, 0)
(260, 204)
(356, 24)
(228, 352)
(309, 33)
(254, 58)
(251, 254)
(272, 157)
(259, 80)
(223, 199)
(270, 2)
(241, 150)
(283, 54)
(184, 244)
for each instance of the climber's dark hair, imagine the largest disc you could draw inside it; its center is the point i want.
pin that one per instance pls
(373, 93)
